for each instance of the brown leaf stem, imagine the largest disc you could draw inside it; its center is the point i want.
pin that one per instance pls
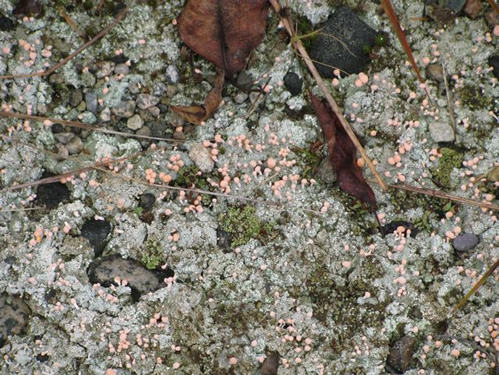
(288, 24)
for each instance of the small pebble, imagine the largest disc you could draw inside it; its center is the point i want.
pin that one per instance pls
(154, 111)
(465, 242)
(75, 146)
(172, 74)
(6, 24)
(104, 69)
(293, 83)
(135, 122)
(96, 232)
(435, 72)
(125, 109)
(121, 69)
(75, 98)
(91, 100)
(64, 137)
(105, 115)
(145, 101)
(241, 97)
(159, 89)
(270, 365)
(201, 156)
(441, 132)
(401, 352)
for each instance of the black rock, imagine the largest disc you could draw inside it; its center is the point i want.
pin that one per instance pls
(146, 201)
(14, 316)
(6, 24)
(342, 43)
(140, 279)
(401, 352)
(293, 83)
(96, 232)
(57, 128)
(494, 63)
(465, 242)
(50, 195)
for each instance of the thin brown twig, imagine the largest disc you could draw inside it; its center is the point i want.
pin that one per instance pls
(80, 125)
(332, 103)
(58, 178)
(99, 35)
(443, 195)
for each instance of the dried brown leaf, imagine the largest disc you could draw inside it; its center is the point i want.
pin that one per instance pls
(342, 154)
(197, 114)
(224, 31)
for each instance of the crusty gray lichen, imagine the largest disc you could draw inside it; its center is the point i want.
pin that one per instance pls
(325, 290)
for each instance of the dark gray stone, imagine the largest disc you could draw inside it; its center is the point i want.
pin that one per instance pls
(75, 98)
(401, 353)
(342, 43)
(465, 242)
(293, 83)
(172, 74)
(145, 101)
(125, 109)
(140, 279)
(96, 232)
(121, 69)
(14, 317)
(91, 101)
(271, 364)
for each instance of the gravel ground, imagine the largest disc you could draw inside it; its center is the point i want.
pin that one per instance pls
(275, 271)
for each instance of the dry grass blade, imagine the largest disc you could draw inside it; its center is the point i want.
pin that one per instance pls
(390, 12)
(479, 283)
(494, 5)
(51, 180)
(441, 194)
(288, 24)
(80, 125)
(99, 35)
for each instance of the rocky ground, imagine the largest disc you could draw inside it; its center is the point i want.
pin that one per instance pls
(118, 269)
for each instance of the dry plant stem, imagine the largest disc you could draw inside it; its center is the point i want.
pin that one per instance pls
(479, 283)
(80, 125)
(450, 104)
(53, 179)
(99, 35)
(494, 5)
(336, 109)
(206, 192)
(441, 194)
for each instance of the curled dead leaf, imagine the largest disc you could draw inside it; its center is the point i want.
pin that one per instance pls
(342, 154)
(197, 114)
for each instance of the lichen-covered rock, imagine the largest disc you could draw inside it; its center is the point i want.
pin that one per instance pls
(13, 318)
(106, 270)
